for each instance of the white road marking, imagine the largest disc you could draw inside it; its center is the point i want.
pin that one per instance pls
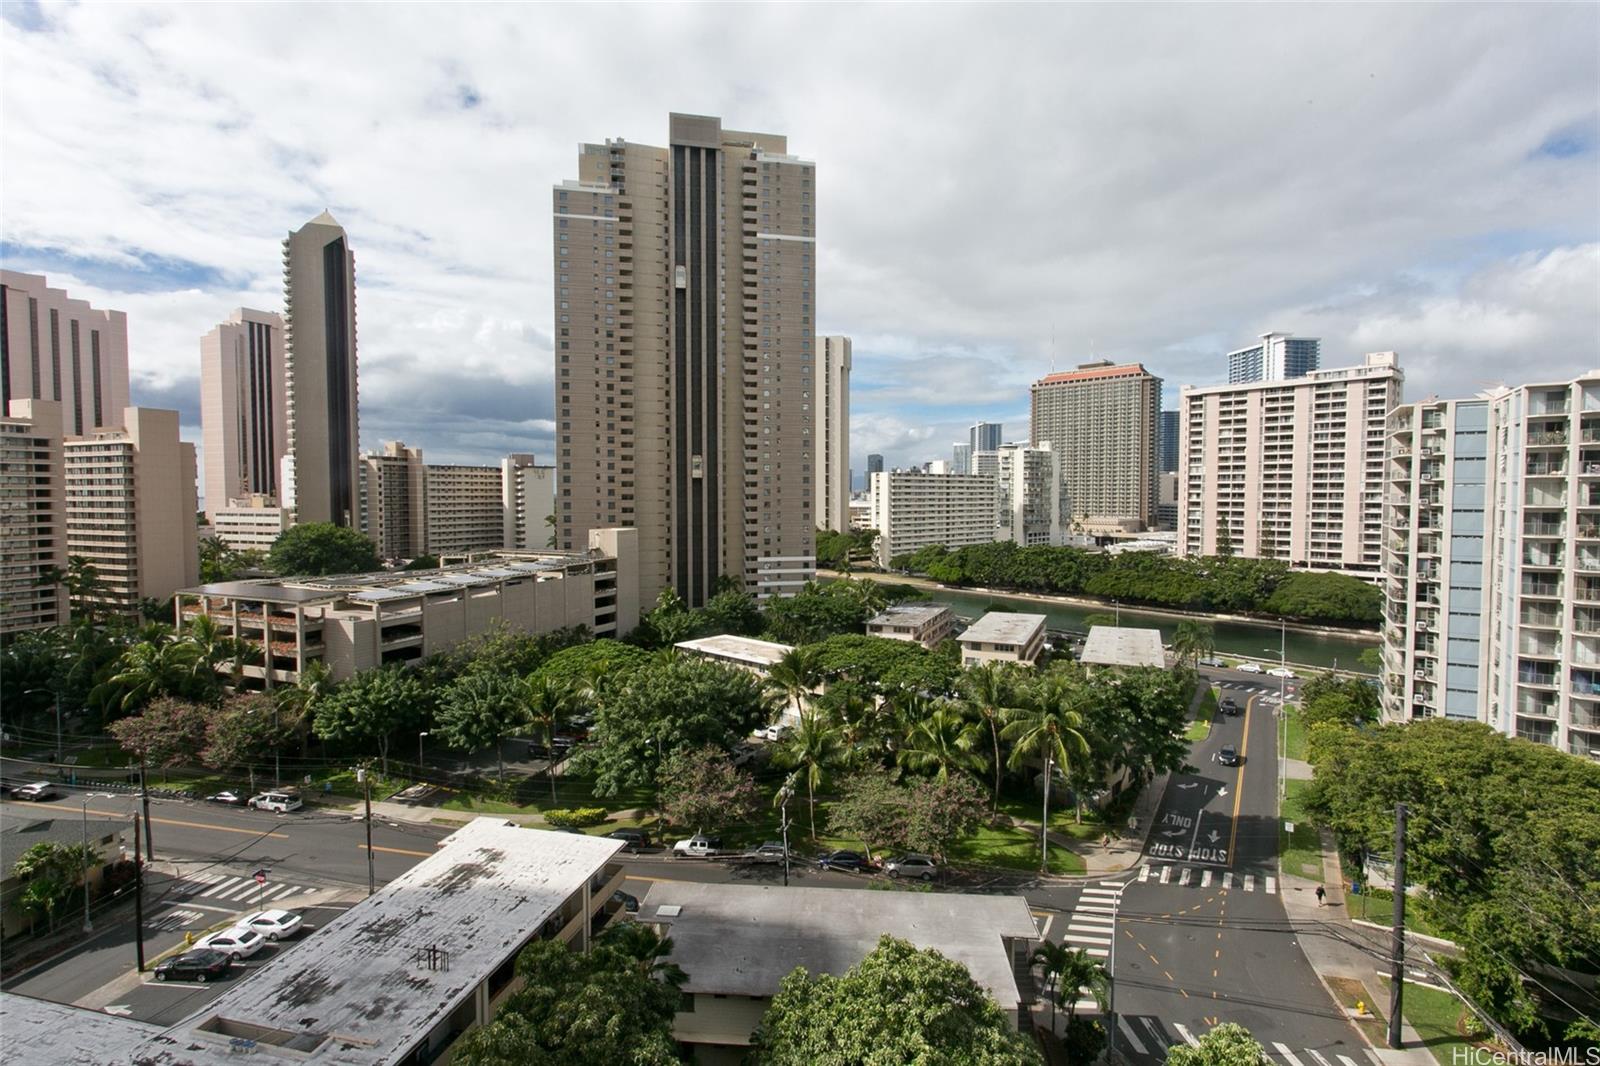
(1117, 885)
(1188, 1037)
(1127, 1030)
(1288, 1056)
(1227, 879)
(1044, 934)
(1183, 878)
(1144, 875)
(1346, 1059)
(1272, 886)
(1098, 895)
(1157, 1036)
(1249, 882)
(218, 888)
(1092, 918)
(1316, 1055)
(1166, 874)
(1205, 879)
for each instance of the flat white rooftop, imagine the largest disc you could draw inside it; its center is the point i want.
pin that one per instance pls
(38, 1031)
(742, 939)
(1123, 646)
(360, 991)
(748, 650)
(1004, 627)
(909, 614)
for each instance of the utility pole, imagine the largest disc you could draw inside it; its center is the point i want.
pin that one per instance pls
(366, 782)
(138, 895)
(1397, 971)
(88, 926)
(1111, 981)
(144, 804)
(1044, 824)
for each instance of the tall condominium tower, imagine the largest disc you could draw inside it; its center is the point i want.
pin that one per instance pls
(33, 525)
(1100, 420)
(1492, 562)
(55, 348)
(832, 434)
(1278, 357)
(874, 465)
(986, 436)
(319, 306)
(685, 371)
(242, 415)
(1167, 448)
(1289, 470)
(961, 457)
(527, 502)
(1029, 481)
(394, 500)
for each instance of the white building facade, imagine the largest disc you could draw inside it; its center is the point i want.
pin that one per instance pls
(831, 471)
(911, 509)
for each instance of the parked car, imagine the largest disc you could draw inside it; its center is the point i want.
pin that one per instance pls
(281, 802)
(199, 966)
(1281, 671)
(1229, 705)
(626, 900)
(1228, 756)
(35, 792)
(634, 838)
(912, 865)
(1211, 661)
(696, 847)
(275, 925)
(773, 733)
(1249, 668)
(771, 852)
(228, 797)
(845, 860)
(238, 942)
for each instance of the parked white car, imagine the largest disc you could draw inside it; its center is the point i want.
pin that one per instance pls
(773, 733)
(1281, 671)
(281, 802)
(274, 925)
(238, 942)
(1249, 668)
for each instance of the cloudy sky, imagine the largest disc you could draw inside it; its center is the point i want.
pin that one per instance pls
(1000, 187)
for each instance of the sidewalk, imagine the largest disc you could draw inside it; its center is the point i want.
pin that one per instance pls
(1346, 956)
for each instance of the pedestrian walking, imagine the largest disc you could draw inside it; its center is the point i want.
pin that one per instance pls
(1321, 892)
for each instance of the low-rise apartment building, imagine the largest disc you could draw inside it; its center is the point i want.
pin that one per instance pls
(911, 509)
(920, 623)
(1003, 637)
(358, 622)
(252, 524)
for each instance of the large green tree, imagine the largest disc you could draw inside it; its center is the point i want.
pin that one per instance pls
(372, 707)
(702, 789)
(988, 692)
(814, 748)
(1049, 726)
(50, 872)
(897, 1005)
(882, 664)
(312, 549)
(219, 562)
(167, 733)
(820, 611)
(482, 709)
(247, 730)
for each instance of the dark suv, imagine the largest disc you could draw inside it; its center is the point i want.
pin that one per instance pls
(845, 860)
(636, 839)
(202, 966)
(1228, 756)
(1229, 705)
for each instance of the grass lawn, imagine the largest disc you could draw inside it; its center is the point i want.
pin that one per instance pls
(1012, 848)
(532, 796)
(1302, 849)
(1295, 726)
(1200, 728)
(1377, 905)
(1447, 1028)
(1063, 819)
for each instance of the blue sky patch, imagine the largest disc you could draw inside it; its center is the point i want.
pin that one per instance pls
(151, 273)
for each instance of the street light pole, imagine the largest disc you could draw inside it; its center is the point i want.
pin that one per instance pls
(419, 753)
(1111, 980)
(88, 926)
(363, 778)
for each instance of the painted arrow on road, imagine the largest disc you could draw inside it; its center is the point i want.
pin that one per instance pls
(119, 1009)
(1173, 833)
(1223, 791)
(1190, 784)
(1214, 836)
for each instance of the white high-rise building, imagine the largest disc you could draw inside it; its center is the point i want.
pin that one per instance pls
(1029, 482)
(1101, 420)
(528, 502)
(961, 457)
(1278, 357)
(831, 471)
(1290, 470)
(1492, 562)
(912, 509)
(465, 509)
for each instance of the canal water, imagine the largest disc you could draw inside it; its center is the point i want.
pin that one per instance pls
(1257, 639)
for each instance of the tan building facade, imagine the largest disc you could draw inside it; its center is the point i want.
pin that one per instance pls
(322, 426)
(465, 509)
(1102, 421)
(528, 496)
(33, 522)
(55, 348)
(916, 623)
(243, 415)
(130, 508)
(394, 499)
(252, 524)
(1290, 470)
(1003, 637)
(832, 434)
(685, 363)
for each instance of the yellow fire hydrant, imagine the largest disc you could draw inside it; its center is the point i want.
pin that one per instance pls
(188, 940)
(1361, 1006)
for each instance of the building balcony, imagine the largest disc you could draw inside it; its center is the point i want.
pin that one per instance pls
(1548, 439)
(1584, 744)
(1536, 731)
(1585, 590)
(1540, 616)
(1537, 704)
(1584, 682)
(1542, 556)
(1539, 645)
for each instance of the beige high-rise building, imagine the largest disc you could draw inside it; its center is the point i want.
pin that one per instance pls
(394, 499)
(55, 348)
(33, 525)
(1291, 469)
(1102, 421)
(528, 496)
(685, 324)
(912, 509)
(242, 418)
(465, 509)
(319, 310)
(130, 508)
(832, 435)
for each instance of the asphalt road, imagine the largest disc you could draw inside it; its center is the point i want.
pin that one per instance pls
(1202, 936)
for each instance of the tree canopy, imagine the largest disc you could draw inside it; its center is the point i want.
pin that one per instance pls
(702, 789)
(372, 706)
(168, 732)
(312, 549)
(883, 664)
(896, 1005)
(1228, 1044)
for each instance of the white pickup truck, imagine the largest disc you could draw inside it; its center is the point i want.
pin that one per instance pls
(697, 847)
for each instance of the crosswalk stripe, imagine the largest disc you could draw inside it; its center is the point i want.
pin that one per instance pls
(1091, 917)
(1144, 875)
(1318, 1056)
(1118, 885)
(249, 888)
(1272, 886)
(286, 890)
(1288, 1056)
(1166, 874)
(1188, 1037)
(1097, 953)
(1249, 882)
(1158, 1036)
(1183, 878)
(1346, 1060)
(1227, 879)
(205, 879)
(220, 887)
(1088, 932)
(1133, 1041)
(1205, 879)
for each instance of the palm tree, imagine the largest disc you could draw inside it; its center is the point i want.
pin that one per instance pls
(1053, 958)
(647, 948)
(1049, 726)
(213, 647)
(988, 693)
(852, 714)
(1193, 641)
(298, 703)
(1080, 972)
(148, 670)
(942, 741)
(795, 676)
(549, 702)
(814, 747)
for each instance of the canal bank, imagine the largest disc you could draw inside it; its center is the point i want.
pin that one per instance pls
(1319, 647)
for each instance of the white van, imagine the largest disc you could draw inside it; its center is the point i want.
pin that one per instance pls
(281, 802)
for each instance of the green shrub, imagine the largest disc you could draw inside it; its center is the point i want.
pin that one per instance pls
(576, 818)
